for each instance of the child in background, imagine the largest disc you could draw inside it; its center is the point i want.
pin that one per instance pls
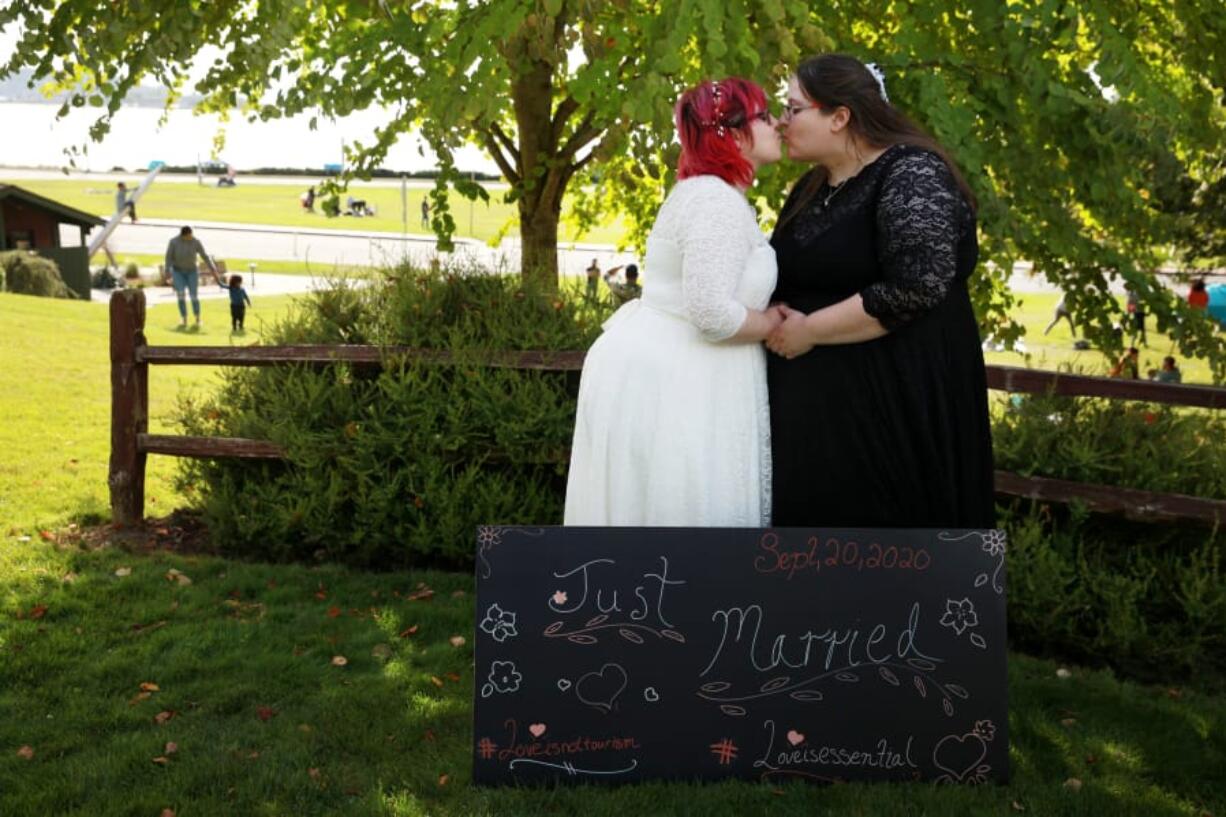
(238, 309)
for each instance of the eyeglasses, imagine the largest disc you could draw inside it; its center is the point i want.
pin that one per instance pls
(791, 110)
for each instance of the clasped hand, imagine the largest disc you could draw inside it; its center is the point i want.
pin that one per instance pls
(790, 337)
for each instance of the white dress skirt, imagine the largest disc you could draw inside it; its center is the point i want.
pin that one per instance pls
(673, 425)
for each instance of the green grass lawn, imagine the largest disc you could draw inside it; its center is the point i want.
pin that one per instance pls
(56, 404)
(1055, 350)
(264, 721)
(278, 205)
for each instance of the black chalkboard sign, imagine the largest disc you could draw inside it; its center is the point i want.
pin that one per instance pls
(623, 654)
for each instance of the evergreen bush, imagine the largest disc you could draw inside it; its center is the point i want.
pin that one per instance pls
(396, 466)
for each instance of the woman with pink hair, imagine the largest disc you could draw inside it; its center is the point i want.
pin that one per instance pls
(673, 427)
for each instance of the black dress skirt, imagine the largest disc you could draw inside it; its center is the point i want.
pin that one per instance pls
(892, 432)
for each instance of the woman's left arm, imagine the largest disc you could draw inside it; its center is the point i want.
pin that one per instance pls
(917, 224)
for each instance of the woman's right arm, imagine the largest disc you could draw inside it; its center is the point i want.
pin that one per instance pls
(714, 252)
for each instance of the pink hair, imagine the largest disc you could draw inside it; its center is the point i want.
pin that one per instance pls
(706, 117)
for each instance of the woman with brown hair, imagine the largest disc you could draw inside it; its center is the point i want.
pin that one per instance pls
(879, 412)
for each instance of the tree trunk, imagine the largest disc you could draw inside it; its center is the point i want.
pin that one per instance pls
(543, 180)
(538, 231)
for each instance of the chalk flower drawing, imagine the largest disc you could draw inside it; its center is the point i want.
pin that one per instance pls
(504, 677)
(488, 536)
(499, 623)
(985, 730)
(994, 542)
(959, 615)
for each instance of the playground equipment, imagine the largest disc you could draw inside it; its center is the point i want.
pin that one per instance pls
(98, 242)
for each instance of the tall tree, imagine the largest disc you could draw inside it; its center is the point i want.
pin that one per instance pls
(1066, 115)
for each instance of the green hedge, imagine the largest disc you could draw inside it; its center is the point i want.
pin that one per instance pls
(397, 467)
(1147, 598)
(24, 272)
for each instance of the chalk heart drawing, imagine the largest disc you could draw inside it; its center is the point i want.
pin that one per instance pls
(795, 738)
(559, 597)
(651, 695)
(563, 684)
(600, 689)
(537, 729)
(959, 755)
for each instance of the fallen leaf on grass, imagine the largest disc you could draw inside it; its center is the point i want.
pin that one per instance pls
(47, 536)
(451, 676)
(421, 595)
(314, 773)
(163, 716)
(138, 697)
(69, 577)
(38, 611)
(171, 748)
(163, 761)
(1073, 784)
(334, 611)
(429, 735)
(26, 752)
(1018, 806)
(123, 571)
(443, 778)
(144, 628)
(265, 713)
(339, 660)
(1067, 722)
(434, 679)
(178, 577)
(457, 640)
(1091, 759)
(149, 686)
(1063, 673)
(408, 631)
(305, 728)
(168, 812)
(321, 593)
(1174, 694)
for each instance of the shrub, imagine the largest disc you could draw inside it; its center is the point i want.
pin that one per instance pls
(395, 467)
(103, 279)
(1146, 598)
(30, 274)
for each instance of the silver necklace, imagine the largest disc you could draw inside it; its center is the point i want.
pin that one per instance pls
(834, 191)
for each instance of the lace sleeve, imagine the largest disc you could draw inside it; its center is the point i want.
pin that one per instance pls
(714, 252)
(918, 220)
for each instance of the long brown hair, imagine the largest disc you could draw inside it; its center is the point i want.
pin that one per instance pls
(833, 80)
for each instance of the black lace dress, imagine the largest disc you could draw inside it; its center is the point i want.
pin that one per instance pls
(892, 432)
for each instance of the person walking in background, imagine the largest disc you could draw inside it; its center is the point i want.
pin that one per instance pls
(181, 254)
(425, 212)
(308, 200)
(1062, 312)
(239, 301)
(122, 202)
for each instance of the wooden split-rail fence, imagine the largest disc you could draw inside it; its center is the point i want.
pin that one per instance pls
(131, 442)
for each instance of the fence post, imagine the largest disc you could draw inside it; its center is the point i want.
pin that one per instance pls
(129, 406)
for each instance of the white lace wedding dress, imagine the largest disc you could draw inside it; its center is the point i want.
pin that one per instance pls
(673, 425)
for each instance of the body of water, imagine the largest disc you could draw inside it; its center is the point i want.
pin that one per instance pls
(33, 137)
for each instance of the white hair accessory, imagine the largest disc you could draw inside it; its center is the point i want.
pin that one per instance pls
(878, 75)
